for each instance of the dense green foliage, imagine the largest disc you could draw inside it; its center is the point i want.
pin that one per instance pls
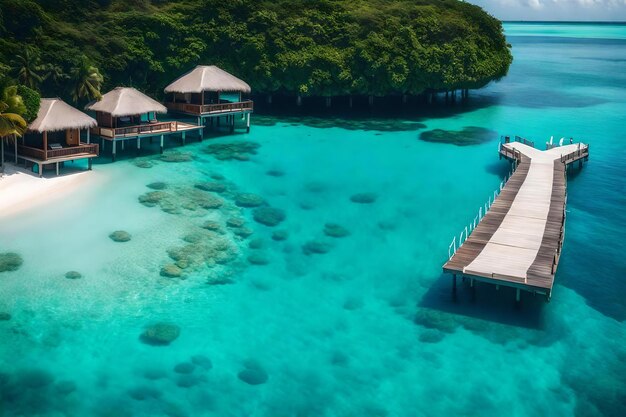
(308, 47)
(31, 100)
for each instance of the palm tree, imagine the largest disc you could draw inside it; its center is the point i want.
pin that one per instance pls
(11, 123)
(87, 81)
(4, 70)
(55, 74)
(28, 69)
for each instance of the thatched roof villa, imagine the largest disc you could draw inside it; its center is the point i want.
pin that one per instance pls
(125, 113)
(54, 136)
(207, 92)
(122, 107)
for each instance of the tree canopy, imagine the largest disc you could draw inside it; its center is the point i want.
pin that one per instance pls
(306, 47)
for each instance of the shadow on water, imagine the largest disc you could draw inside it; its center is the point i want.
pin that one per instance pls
(150, 147)
(484, 302)
(387, 113)
(499, 168)
(574, 171)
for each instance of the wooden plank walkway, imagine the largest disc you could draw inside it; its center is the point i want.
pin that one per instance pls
(518, 241)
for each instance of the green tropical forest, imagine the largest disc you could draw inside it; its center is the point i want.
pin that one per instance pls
(75, 49)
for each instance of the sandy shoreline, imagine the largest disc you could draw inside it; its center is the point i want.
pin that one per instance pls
(21, 190)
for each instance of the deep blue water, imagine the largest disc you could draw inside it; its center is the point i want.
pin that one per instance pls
(367, 328)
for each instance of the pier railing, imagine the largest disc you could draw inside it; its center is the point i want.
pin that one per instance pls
(525, 141)
(199, 109)
(580, 153)
(36, 153)
(482, 211)
(507, 139)
(41, 155)
(510, 153)
(136, 130)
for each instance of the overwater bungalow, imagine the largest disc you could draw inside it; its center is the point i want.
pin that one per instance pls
(208, 92)
(125, 113)
(54, 137)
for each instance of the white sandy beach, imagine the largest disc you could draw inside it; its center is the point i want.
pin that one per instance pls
(22, 190)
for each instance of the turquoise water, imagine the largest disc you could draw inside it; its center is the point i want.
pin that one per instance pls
(367, 328)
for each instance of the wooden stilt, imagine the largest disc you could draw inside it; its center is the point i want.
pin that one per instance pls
(89, 162)
(248, 123)
(183, 138)
(299, 100)
(57, 164)
(138, 145)
(114, 151)
(88, 136)
(517, 297)
(161, 144)
(45, 145)
(40, 170)
(123, 144)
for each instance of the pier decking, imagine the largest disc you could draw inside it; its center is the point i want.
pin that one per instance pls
(148, 130)
(518, 241)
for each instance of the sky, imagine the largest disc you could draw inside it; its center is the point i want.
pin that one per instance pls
(572, 10)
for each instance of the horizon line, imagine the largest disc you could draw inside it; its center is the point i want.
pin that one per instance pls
(611, 22)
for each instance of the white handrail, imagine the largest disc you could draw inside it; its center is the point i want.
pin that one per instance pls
(452, 248)
(464, 235)
(461, 240)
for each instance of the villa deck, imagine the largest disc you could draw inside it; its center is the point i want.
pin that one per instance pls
(212, 109)
(518, 241)
(138, 132)
(142, 130)
(57, 156)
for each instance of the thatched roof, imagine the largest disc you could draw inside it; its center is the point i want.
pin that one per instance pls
(55, 114)
(207, 78)
(126, 101)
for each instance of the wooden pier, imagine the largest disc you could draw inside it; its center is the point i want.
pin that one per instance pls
(136, 133)
(516, 241)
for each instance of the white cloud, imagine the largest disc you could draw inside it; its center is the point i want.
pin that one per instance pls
(614, 10)
(536, 4)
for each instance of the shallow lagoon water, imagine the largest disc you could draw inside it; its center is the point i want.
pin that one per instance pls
(367, 328)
